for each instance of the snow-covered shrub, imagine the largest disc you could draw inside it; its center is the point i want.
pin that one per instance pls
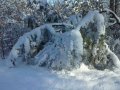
(63, 51)
(93, 31)
(95, 49)
(29, 43)
(68, 49)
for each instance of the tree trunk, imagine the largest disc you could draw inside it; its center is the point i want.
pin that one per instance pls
(2, 49)
(117, 7)
(112, 5)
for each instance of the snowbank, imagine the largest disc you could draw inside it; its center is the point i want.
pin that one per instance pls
(28, 78)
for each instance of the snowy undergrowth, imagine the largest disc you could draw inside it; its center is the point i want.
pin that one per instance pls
(25, 77)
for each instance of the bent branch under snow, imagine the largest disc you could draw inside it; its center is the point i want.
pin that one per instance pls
(93, 16)
(114, 15)
(25, 43)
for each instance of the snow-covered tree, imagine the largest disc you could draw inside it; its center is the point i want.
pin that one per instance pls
(69, 49)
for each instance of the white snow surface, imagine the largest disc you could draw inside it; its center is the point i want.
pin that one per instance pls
(25, 77)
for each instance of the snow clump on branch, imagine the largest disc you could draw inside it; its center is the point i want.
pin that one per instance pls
(28, 43)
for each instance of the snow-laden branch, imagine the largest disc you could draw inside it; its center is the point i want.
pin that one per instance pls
(112, 57)
(74, 19)
(93, 16)
(96, 17)
(28, 42)
(115, 16)
(116, 42)
(63, 51)
(111, 23)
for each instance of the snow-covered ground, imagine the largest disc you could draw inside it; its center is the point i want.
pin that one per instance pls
(25, 77)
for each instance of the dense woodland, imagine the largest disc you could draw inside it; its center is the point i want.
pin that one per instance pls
(47, 31)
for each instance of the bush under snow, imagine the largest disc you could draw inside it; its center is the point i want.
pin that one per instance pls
(29, 43)
(65, 50)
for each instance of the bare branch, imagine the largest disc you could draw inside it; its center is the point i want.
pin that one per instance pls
(114, 15)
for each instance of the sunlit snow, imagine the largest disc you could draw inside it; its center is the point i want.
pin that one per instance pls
(30, 78)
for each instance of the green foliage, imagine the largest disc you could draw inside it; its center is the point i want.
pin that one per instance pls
(101, 41)
(93, 42)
